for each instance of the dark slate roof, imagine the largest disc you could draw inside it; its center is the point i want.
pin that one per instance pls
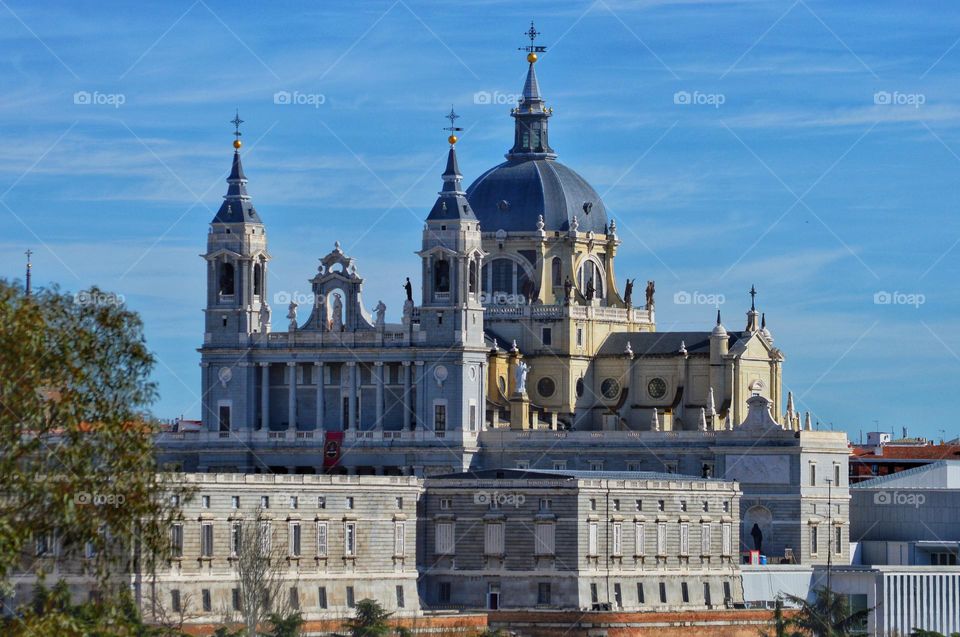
(237, 206)
(533, 187)
(546, 474)
(452, 202)
(660, 343)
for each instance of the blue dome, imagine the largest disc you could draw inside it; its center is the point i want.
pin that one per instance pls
(514, 194)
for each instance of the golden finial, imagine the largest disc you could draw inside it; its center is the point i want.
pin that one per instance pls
(452, 139)
(532, 49)
(531, 57)
(453, 117)
(236, 121)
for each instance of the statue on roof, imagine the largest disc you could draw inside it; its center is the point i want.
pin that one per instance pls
(567, 291)
(628, 292)
(521, 377)
(381, 311)
(409, 288)
(651, 289)
(292, 315)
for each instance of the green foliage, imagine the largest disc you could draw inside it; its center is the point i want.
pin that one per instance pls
(920, 632)
(76, 446)
(782, 625)
(370, 620)
(285, 625)
(829, 615)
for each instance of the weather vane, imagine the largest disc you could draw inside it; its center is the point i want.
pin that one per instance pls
(453, 128)
(236, 121)
(532, 33)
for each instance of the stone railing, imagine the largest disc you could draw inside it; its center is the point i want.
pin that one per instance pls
(558, 312)
(390, 337)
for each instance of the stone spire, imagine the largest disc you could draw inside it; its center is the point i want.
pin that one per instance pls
(452, 202)
(807, 424)
(530, 116)
(788, 417)
(703, 419)
(237, 206)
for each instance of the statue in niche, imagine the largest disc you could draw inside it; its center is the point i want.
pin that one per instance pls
(591, 291)
(757, 536)
(520, 376)
(337, 313)
(381, 311)
(651, 288)
(264, 317)
(567, 291)
(628, 292)
(292, 315)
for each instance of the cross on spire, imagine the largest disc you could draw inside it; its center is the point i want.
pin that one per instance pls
(532, 33)
(453, 117)
(236, 121)
(753, 298)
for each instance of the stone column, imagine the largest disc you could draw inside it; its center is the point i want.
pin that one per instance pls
(292, 397)
(352, 406)
(318, 370)
(378, 367)
(420, 408)
(406, 396)
(265, 396)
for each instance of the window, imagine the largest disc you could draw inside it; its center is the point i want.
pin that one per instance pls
(726, 592)
(175, 501)
(223, 416)
(351, 602)
(545, 504)
(617, 595)
(207, 601)
(706, 506)
(661, 538)
(543, 593)
(235, 502)
(579, 344)
(523, 464)
(350, 539)
(814, 540)
(176, 540)
(446, 503)
(264, 502)
(294, 539)
(443, 592)
(726, 538)
(321, 539)
(705, 533)
(641, 598)
(836, 475)
(205, 502)
(444, 539)
(685, 592)
(706, 594)
(236, 538)
(638, 505)
(206, 540)
(683, 505)
(294, 502)
(659, 505)
(544, 537)
(493, 538)
(593, 504)
(400, 601)
(726, 506)
(590, 276)
(441, 276)
(399, 503)
(257, 280)
(592, 539)
(266, 538)
(813, 475)
(226, 279)
(616, 504)
(663, 593)
(44, 544)
(555, 272)
(638, 539)
(684, 538)
(348, 503)
(321, 502)
(838, 539)
(596, 466)
(399, 539)
(594, 597)
(175, 600)
(472, 277)
(473, 416)
(559, 465)
(546, 336)
(322, 597)
(439, 417)
(235, 599)
(617, 539)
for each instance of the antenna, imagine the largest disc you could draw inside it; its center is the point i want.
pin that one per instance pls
(29, 254)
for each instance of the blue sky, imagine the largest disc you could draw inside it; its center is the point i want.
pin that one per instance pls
(817, 156)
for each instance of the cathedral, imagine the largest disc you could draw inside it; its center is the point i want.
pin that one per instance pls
(522, 350)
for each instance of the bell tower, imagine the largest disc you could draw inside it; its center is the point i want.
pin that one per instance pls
(237, 261)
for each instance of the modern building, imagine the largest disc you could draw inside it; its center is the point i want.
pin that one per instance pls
(888, 457)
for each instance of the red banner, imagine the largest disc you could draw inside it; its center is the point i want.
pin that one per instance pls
(332, 447)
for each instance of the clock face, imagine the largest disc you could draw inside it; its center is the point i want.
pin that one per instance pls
(657, 387)
(610, 388)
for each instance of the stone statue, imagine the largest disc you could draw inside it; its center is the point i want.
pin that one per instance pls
(520, 375)
(757, 536)
(292, 315)
(528, 291)
(409, 288)
(337, 313)
(567, 291)
(628, 292)
(651, 288)
(590, 291)
(264, 317)
(381, 311)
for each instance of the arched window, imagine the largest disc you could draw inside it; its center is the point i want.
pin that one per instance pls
(441, 276)
(555, 269)
(589, 273)
(473, 276)
(226, 279)
(506, 276)
(502, 276)
(257, 280)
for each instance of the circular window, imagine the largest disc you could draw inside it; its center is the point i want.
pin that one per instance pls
(546, 387)
(610, 388)
(503, 205)
(657, 387)
(579, 387)
(502, 383)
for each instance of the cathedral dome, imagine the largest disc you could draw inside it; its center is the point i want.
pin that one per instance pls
(513, 195)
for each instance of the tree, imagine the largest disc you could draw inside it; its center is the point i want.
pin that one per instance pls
(285, 625)
(76, 443)
(370, 620)
(782, 625)
(261, 570)
(829, 615)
